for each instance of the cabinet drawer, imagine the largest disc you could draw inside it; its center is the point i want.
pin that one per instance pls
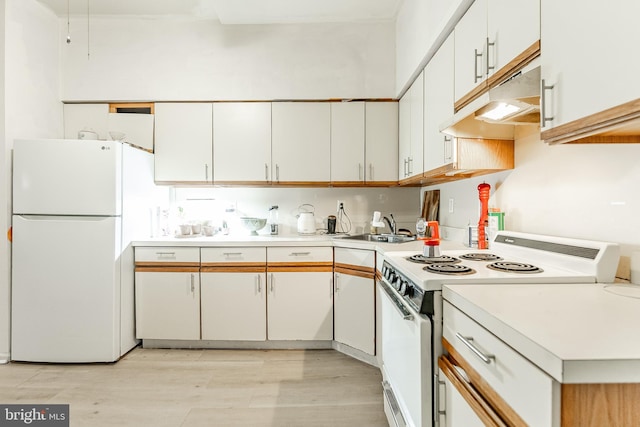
(522, 385)
(355, 257)
(233, 255)
(167, 255)
(300, 254)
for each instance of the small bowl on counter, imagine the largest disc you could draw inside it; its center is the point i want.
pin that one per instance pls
(253, 224)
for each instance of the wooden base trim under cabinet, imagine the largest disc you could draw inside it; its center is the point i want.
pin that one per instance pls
(413, 181)
(466, 99)
(300, 268)
(470, 395)
(597, 405)
(620, 124)
(503, 409)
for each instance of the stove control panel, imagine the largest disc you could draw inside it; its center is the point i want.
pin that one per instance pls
(419, 300)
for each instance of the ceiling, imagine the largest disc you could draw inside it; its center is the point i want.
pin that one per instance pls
(239, 11)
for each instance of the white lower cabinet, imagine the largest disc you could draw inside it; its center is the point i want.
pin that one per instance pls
(454, 410)
(224, 320)
(354, 311)
(300, 306)
(168, 305)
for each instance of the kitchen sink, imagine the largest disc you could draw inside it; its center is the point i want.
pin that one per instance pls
(383, 238)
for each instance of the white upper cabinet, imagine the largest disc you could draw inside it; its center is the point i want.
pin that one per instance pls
(492, 40)
(347, 141)
(512, 28)
(301, 141)
(438, 106)
(410, 143)
(242, 142)
(589, 59)
(470, 49)
(183, 142)
(381, 142)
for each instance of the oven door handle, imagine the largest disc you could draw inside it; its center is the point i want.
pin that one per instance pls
(406, 314)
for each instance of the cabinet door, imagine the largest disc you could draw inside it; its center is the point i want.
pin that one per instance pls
(381, 141)
(456, 411)
(354, 311)
(242, 141)
(438, 106)
(588, 57)
(416, 166)
(404, 135)
(224, 320)
(301, 141)
(93, 117)
(183, 142)
(512, 27)
(168, 305)
(470, 45)
(347, 141)
(300, 306)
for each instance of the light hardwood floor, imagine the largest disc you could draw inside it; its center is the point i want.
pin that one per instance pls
(189, 388)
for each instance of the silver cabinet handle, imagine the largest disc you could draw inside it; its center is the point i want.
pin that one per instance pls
(448, 152)
(335, 283)
(406, 169)
(490, 67)
(300, 254)
(360, 171)
(476, 77)
(486, 358)
(440, 398)
(271, 283)
(259, 283)
(410, 162)
(166, 255)
(543, 101)
(206, 172)
(230, 254)
(370, 177)
(277, 173)
(193, 283)
(266, 172)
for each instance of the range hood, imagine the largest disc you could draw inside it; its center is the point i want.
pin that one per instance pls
(494, 114)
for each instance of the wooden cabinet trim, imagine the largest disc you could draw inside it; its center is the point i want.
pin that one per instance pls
(470, 395)
(355, 270)
(600, 405)
(233, 268)
(584, 130)
(299, 268)
(500, 406)
(166, 269)
(528, 55)
(161, 264)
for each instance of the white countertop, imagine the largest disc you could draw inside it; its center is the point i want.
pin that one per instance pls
(576, 333)
(281, 240)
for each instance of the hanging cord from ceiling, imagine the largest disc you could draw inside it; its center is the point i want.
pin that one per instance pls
(343, 222)
(88, 30)
(68, 24)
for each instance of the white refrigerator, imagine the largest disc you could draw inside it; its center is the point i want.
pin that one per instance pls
(77, 205)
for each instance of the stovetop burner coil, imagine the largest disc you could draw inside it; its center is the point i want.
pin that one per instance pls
(443, 259)
(481, 256)
(450, 269)
(514, 267)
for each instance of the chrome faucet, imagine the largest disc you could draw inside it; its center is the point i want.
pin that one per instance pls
(392, 224)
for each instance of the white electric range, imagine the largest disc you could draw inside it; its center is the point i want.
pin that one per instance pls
(411, 303)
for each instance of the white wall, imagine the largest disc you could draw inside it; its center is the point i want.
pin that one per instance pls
(359, 204)
(138, 58)
(587, 191)
(30, 107)
(421, 26)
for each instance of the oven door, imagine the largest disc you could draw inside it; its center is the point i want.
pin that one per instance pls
(407, 361)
